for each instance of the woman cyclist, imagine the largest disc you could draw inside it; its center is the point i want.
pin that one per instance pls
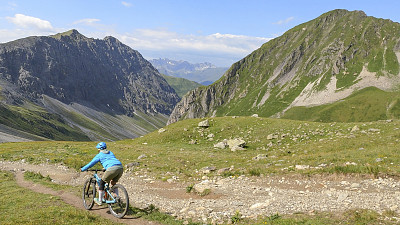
(113, 166)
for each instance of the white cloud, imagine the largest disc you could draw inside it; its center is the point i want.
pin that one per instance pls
(285, 21)
(164, 40)
(30, 22)
(87, 21)
(126, 4)
(152, 43)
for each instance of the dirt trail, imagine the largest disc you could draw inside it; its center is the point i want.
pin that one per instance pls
(75, 201)
(252, 197)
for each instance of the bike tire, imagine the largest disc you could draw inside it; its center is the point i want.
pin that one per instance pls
(121, 206)
(89, 193)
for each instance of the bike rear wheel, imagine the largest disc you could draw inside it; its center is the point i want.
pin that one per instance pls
(121, 206)
(89, 193)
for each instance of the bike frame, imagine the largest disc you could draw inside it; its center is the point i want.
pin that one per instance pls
(106, 188)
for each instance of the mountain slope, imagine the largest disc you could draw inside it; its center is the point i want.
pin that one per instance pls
(80, 74)
(318, 62)
(181, 85)
(368, 104)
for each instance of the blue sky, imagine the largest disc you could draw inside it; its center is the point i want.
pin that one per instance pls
(217, 31)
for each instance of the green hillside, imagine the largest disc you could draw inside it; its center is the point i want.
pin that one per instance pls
(368, 104)
(181, 85)
(39, 122)
(279, 144)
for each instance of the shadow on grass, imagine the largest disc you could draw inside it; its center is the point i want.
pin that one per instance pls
(138, 212)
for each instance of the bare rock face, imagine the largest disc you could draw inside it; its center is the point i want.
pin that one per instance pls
(70, 67)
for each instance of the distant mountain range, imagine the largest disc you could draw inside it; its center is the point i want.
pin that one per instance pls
(341, 66)
(70, 87)
(203, 73)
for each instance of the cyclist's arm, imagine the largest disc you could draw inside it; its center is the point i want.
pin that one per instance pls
(95, 160)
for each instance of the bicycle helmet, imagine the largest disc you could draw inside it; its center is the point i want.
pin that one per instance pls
(101, 145)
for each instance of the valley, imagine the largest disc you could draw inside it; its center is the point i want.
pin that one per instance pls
(305, 129)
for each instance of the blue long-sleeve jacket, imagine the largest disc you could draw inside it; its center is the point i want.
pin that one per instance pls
(107, 160)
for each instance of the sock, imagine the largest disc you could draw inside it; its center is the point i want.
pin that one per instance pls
(101, 195)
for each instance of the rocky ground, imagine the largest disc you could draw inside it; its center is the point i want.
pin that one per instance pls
(251, 197)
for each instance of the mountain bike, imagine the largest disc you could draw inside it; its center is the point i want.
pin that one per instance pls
(117, 203)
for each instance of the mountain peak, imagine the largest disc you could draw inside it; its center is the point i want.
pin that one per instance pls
(73, 33)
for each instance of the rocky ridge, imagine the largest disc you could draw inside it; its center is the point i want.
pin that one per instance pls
(72, 68)
(98, 87)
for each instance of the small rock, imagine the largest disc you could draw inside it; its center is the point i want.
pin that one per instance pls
(184, 210)
(302, 167)
(254, 115)
(355, 129)
(223, 170)
(342, 196)
(260, 156)
(161, 130)
(170, 180)
(208, 169)
(142, 156)
(192, 142)
(374, 130)
(132, 164)
(260, 205)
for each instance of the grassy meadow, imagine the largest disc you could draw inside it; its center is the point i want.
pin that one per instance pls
(184, 148)
(23, 206)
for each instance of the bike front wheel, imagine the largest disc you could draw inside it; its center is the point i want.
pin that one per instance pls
(121, 205)
(88, 193)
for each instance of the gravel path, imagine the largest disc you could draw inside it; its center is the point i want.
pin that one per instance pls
(252, 197)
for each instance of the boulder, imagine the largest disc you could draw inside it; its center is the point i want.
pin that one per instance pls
(221, 145)
(236, 142)
(204, 124)
(237, 148)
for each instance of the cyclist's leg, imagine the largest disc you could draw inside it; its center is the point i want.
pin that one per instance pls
(113, 176)
(101, 193)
